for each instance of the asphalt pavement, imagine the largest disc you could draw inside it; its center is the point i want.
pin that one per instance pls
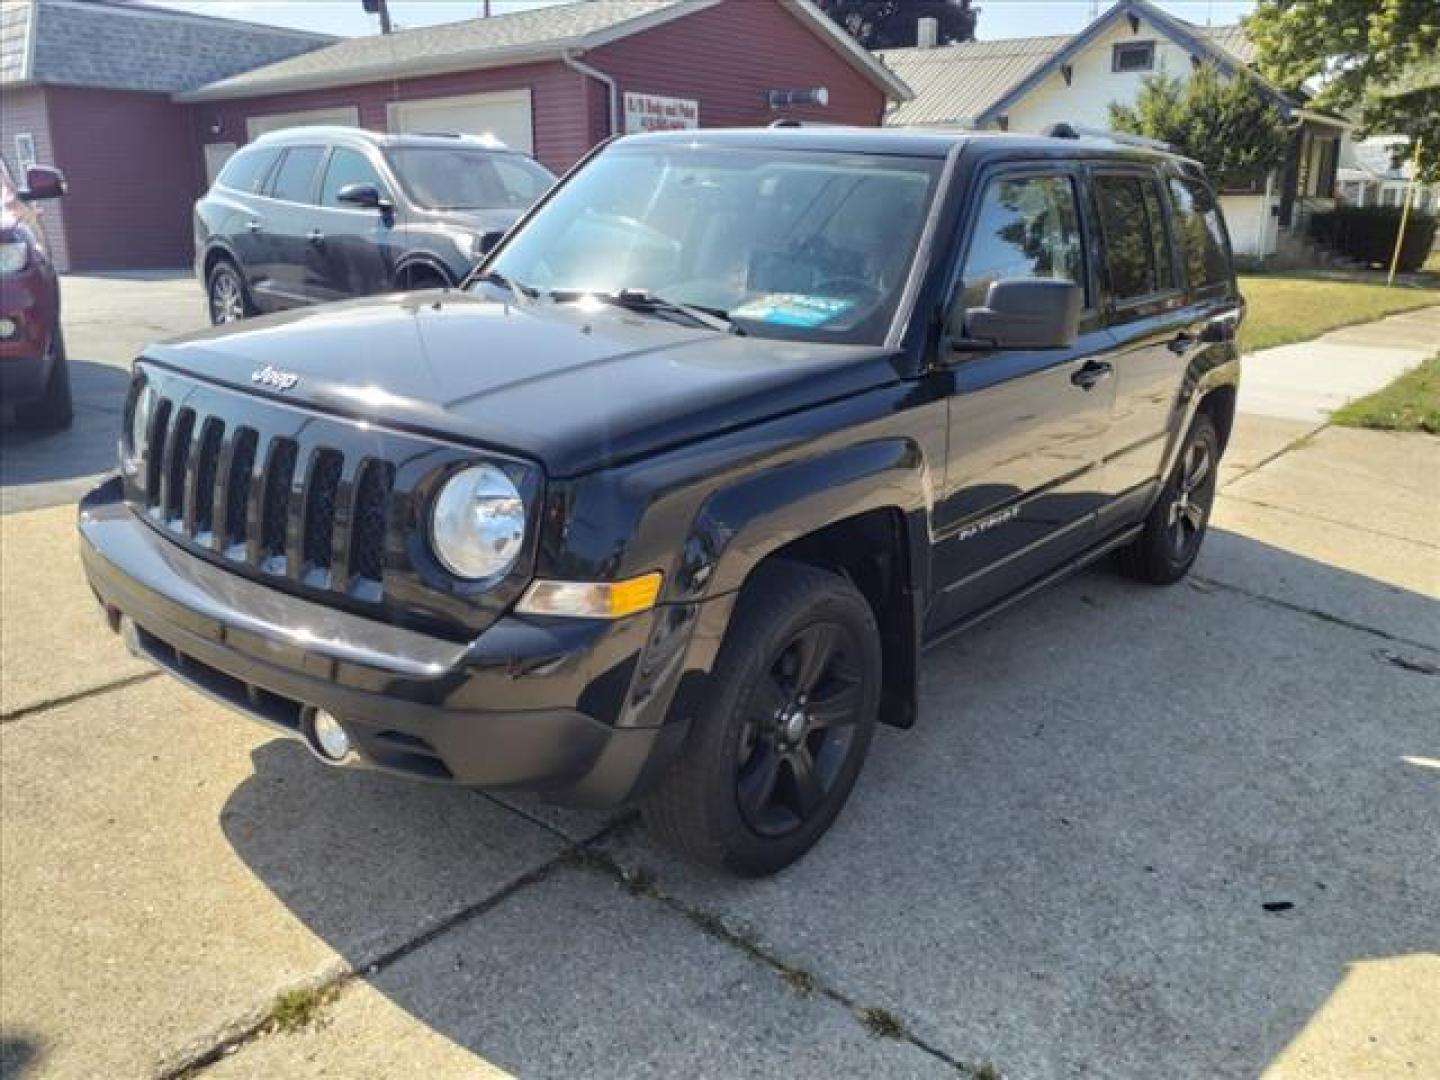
(1191, 832)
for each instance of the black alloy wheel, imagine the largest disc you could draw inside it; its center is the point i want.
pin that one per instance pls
(774, 749)
(1175, 528)
(800, 722)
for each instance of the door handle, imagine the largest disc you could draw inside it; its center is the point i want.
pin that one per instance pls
(316, 237)
(1091, 373)
(1182, 343)
(255, 225)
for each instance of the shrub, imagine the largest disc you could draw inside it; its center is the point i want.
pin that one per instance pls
(1368, 233)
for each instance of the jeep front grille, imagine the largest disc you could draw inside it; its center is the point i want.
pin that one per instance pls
(327, 507)
(301, 511)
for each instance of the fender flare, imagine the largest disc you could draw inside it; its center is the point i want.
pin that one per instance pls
(425, 259)
(1199, 384)
(739, 526)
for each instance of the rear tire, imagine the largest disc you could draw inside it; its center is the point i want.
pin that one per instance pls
(1174, 530)
(771, 758)
(55, 410)
(228, 299)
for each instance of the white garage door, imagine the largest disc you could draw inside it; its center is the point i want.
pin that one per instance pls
(256, 126)
(506, 116)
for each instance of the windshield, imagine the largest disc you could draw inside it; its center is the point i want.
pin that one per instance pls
(792, 244)
(456, 178)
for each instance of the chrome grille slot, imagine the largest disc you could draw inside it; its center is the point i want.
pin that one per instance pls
(369, 520)
(237, 486)
(177, 456)
(321, 493)
(275, 498)
(155, 452)
(200, 504)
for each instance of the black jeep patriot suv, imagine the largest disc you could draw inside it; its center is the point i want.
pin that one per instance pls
(664, 504)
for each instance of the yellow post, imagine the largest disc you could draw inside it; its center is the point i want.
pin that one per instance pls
(1405, 210)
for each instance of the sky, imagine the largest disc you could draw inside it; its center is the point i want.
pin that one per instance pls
(998, 18)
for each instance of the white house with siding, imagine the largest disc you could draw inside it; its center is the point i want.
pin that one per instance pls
(1028, 84)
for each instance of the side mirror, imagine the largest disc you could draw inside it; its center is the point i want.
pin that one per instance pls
(42, 182)
(1019, 313)
(365, 196)
(489, 240)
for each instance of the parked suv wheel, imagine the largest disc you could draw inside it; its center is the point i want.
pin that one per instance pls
(770, 760)
(229, 302)
(55, 411)
(1165, 550)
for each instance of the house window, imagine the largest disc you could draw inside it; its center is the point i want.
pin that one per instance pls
(24, 151)
(1390, 197)
(1133, 56)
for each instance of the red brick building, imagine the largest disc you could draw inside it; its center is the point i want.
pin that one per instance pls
(553, 81)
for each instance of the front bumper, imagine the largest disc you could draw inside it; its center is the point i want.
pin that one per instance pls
(529, 703)
(25, 353)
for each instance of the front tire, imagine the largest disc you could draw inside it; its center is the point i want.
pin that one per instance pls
(55, 411)
(771, 758)
(1174, 530)
(229, 301)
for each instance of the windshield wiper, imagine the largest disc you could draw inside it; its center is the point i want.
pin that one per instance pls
(645, 301)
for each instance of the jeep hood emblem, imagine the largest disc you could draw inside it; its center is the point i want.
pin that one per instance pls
(274, 378)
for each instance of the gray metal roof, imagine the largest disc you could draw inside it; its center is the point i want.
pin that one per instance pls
(121, 45)
(511, 38)
(956, 84)
(953, 84)
(502, 39)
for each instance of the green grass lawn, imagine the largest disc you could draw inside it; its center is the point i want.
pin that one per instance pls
(1287, 309)
(1410, 403)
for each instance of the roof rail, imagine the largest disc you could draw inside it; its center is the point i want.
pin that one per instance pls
(1065, 130)
(785, 122)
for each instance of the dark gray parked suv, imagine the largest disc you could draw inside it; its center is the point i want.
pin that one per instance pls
(312, 214)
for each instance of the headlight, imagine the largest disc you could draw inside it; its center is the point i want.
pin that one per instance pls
(478, 525)
(140, 415)
(14, 255)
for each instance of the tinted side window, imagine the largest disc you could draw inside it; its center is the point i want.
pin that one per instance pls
(348, 167)
(1129, 252)
(1201, 234)
(295, 178)
(246, 170)
(1027, 227)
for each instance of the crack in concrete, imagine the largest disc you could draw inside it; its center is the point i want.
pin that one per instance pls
(78, 695)
(1314, 613)
(584, 855)
(1232, 497)
(640, 885)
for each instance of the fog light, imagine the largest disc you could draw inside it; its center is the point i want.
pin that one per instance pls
(8, 329)
(330, 737)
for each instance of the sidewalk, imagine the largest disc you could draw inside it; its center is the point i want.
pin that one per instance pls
(1308, 381)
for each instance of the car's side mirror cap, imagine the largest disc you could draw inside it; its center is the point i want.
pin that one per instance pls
(42, 182)
(365, 196)
(1019, 313)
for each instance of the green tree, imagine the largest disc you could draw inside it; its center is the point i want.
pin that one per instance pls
(1229, 125)
(892, 24)
(1355, 55)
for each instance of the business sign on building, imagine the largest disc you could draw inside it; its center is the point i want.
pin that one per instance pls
(651, 112)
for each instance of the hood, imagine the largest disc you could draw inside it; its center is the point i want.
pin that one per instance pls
(574, 388)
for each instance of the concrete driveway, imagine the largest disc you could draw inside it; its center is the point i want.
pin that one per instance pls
(1138, 833)
(107, 321)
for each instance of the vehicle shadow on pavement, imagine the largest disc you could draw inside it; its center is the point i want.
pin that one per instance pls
(1136, 832)
(57, 466)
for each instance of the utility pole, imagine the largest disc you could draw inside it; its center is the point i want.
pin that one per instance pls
(486, 8)
(379, 7)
